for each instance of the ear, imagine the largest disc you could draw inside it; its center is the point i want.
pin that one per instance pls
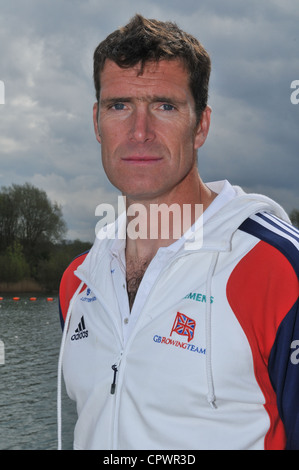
(203, 128)
(96, 122)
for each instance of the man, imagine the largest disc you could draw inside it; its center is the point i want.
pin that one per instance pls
(188, 341)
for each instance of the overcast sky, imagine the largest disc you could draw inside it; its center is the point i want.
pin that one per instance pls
(46, 130)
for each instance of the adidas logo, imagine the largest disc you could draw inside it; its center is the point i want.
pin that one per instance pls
(81, 332)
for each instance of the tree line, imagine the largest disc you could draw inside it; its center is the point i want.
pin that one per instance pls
(32, 231)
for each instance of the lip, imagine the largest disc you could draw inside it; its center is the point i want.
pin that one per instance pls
(141, 159)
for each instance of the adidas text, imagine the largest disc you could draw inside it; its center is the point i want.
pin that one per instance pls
(81, 335)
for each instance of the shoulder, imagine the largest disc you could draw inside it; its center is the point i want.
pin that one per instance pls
(263, 285)
(275, 233)
(262, 289)
(69, 284)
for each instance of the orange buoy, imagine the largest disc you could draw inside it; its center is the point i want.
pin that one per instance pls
(32, 299)
(16, 298)
(50, 299)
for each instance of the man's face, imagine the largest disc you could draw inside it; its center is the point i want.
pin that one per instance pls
(147, 128)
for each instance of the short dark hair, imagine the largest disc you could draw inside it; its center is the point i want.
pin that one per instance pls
(143, 40)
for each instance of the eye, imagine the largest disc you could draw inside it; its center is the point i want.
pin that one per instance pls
(167, 107)
(118, 106)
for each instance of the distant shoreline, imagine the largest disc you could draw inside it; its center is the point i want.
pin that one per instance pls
(20, 287)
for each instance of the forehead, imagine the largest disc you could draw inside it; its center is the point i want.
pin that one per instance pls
(164, 76)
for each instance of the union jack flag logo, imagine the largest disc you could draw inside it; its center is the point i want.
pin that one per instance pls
(184, 325)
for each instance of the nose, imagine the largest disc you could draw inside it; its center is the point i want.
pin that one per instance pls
(141, 129)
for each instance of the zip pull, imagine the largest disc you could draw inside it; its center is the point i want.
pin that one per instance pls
(113, 385)
(115, 370)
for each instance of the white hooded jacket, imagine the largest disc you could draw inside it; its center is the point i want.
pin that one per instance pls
(206, 361)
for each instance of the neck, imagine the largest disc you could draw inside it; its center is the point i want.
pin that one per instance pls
(159, 222)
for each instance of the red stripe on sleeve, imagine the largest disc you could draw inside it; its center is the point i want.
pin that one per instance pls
(261, 290)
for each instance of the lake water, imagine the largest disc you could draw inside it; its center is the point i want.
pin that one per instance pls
(31, 333)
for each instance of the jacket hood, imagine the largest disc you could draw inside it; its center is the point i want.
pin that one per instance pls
(219, 229)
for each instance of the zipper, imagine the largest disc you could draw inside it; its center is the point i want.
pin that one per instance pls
(115, 396)
(113, 385)
(115, 368)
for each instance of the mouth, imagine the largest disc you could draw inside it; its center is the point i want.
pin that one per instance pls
(141, 160)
